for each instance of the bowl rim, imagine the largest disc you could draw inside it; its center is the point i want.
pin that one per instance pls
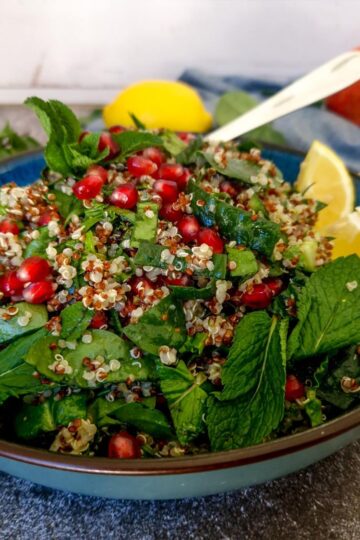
(209, 461)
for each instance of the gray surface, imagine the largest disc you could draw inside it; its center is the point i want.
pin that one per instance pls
(320, 502)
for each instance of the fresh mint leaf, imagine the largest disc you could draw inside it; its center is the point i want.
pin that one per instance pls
(163, 324)
(74, 321)
(11, 329)
(186, 399)
(145, 226)
(328, 310)
(131, 142)
(235, 224)
(238, 169)
(142, 418)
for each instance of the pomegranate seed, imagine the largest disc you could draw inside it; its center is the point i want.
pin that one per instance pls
(212, 239)
(170, 171)
(125, 196)
(99, 320)
(46, 217)
(9, 226)
(97, 170)
(106, 141)
(83, 134)
(258, 296)
(156, 155)
(183, 280)
(275, 285)
(167, 190)
(39, 292)
(185, 136)
(10, 284)
(183, 179)
(139, 166)
(117, 129)
(189, 228)
(124, 446)
(167, 211)
(226, 186)
(294, 389)
(140, 285)
(33, 269)
(88, 188)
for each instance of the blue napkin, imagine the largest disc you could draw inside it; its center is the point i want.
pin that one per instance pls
(299, 128)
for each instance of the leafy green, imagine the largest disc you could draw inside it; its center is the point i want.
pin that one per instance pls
(238, 169)
(235, 103)
(67, 205)
(186, 400)
(145, 226)
(193, 293)
(172, 143)
(257, 386)
(136, 121)
(235, 224)
(12, 143)
(163, 324)
(245, 260)
(190, 154)
(313, 408)
(131, 142)
(11, 329)
(38, 245)
(74, 321)
(328, 312)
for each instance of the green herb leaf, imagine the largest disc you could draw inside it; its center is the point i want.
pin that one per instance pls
(136, 121)
(67, 205)
(131, 142)
(193, 293)
(328, 312)
(191, 153)
(163, 324)
(238, 169)
(313, 408)
(245, 261)
(74, 321)
(172, 143)
(145, 226)
(11, 329)
(38, 245)
(186, 400)
(235, 224)
(142, 418)
(12, 143)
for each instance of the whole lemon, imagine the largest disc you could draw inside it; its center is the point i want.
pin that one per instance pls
(159, 104)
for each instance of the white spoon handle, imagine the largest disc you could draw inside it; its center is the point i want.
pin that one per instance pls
(329, 78)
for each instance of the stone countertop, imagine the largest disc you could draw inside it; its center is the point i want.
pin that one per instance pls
(322, 501)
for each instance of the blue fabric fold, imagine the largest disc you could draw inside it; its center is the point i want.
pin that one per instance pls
(299, 128)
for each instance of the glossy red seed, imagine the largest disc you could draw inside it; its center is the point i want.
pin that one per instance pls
(140, 166)
(124, 446)
(258, 296)
(155, 154)
(99, 320)
(274, 284)
(294, 389)
(189, 228)
(182, 280)
(106, 141)
(170, 171)
(125, 196)
(9, 226)
(140, 285)
(185, 136)
(39, 292)
(212, 239)
(117, 129)
(226, 186)
(167, 190)
(97, 170)
(183, 179)
(46, 217)
(88, 188)
(33, 269)
(10, 284)
(83, 134)
(167, 211)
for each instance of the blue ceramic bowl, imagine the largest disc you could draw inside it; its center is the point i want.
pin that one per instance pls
(177, 477)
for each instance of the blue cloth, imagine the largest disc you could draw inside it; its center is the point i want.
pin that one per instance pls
(299, 128)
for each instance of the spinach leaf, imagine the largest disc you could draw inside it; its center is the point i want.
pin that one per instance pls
(74, 321)
(131, 142)
(259, 403)
(11, 329)
(235, 224)
(238, 169)
(145, 226)
(193, 293)
(245, 261)
(163, 324)
(38, 245)
(186, 400)
(328, 311)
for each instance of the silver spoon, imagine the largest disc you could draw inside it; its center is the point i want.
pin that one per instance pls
(329, 78)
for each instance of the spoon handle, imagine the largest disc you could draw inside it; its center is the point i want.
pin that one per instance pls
(338, 73)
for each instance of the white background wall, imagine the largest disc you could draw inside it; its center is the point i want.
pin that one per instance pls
(105, 44)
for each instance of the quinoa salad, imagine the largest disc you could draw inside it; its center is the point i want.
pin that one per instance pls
(163, 296)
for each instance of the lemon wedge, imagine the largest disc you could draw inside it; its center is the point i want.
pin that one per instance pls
(159, 104)
(324, 177)
(346, 232)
